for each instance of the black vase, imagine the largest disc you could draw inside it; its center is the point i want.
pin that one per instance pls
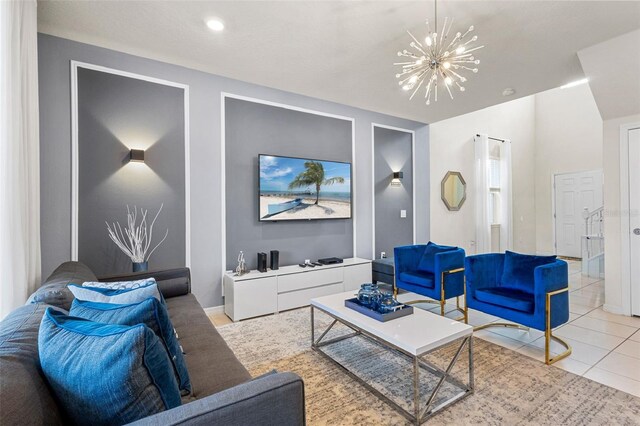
(140, 266)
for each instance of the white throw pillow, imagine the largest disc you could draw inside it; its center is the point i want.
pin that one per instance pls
(120, 297)
(120, 285)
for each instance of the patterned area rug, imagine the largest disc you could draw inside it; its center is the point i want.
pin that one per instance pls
(510, 388)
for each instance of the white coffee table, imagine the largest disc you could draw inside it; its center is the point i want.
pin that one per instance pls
(413, 336)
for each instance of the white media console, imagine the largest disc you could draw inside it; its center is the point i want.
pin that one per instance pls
(262, 293)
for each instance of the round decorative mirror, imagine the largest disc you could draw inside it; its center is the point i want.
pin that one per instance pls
(453, 190)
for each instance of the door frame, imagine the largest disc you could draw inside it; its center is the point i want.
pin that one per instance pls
(553, 201)
(625, 221)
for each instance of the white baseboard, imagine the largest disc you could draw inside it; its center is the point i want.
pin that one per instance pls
(214, 310)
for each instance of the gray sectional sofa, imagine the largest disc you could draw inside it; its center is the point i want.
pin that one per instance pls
(224, 392)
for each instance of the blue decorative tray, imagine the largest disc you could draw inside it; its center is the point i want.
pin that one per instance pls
(401, 311)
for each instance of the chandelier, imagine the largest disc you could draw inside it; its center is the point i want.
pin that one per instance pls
(438, 60)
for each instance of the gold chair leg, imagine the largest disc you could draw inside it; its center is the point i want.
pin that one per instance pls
(464, 293)
(548, 334)
(501, 324)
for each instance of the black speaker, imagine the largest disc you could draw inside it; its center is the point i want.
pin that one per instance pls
(275, 259)
(262, 262)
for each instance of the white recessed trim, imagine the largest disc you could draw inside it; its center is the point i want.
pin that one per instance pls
(74, 149)
(575, 83)
(373, 181)
(223, 97)
(215, 24)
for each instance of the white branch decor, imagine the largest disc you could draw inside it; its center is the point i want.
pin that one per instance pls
(134, 240)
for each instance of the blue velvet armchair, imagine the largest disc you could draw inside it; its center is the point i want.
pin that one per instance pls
(528, 290)
(432, 271)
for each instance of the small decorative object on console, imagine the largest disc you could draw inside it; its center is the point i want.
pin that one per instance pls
(241, 269)
(275, 260)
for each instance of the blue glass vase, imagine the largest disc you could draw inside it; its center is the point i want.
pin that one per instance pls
(369, 295)
(387, 303)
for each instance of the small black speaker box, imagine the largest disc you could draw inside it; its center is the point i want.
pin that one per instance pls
(262, 262)
(275, 259)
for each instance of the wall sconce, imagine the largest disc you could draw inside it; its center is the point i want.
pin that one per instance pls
(396, 179)
(136, 155)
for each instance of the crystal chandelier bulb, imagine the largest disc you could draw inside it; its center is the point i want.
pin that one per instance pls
(476, 62)
(462, 89)
(471, 28)
(448, 81)
(475, 70)
(460, 50)
(413, 79)
(447, 65)
(428, 41)
(406, 87)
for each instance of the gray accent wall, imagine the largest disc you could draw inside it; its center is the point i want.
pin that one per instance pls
(251, 129)
(117, 114)
(392, 153)
(54, 56)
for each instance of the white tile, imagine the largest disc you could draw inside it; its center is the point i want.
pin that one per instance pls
(579, 309)
(635, 337)
(592, 301)
(589, 292)
(618, 319)
(573, 317)
(590, 337)
(524, 336)
(613, 380)
(630, 348)
(477, 318)
(603, 326)
(498, 339)
(587, 354)
(621, 365)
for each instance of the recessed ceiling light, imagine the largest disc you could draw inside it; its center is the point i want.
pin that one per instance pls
(215, 25)
(508, 91)
(575, 83)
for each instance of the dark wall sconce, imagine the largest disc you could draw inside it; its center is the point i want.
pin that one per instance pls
(396, 178)
(136, 155)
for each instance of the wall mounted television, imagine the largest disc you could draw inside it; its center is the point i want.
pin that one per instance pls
(303, 189)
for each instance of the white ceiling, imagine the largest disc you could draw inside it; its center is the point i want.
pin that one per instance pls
(613, 68)
(343, 51)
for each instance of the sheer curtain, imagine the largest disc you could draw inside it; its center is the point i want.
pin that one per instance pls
(19, 154)
(483, 222)
(506, 215)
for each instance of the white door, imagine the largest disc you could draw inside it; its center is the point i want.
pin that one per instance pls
(573, 193)
(634, 219)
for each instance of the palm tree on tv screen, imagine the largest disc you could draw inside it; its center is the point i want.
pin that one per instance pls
(313, 175)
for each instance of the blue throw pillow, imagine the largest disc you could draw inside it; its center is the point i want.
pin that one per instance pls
(120, 285)
(105, 374)
(119, 296)
(518, 272)
(428, 261)
(149, 312)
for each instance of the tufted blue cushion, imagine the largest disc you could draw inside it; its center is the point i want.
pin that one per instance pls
(422, 279)
(149, 312)
(105, 374)
(507, 297)
(428, 261)
(119, 296)
(519, 270)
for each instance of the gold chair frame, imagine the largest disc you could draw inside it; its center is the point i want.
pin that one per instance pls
(443, 301)
(548, 335)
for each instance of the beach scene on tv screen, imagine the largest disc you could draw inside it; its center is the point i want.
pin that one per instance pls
(295, 188)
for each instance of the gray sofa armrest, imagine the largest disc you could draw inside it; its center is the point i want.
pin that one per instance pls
(171, 282)
(273, 399)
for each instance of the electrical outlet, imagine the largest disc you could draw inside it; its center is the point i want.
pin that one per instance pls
(403, 214)
(383, 255)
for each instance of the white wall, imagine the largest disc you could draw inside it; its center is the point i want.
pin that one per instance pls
(568, 139)
(451, 146)
(615, 300)
(557, 131)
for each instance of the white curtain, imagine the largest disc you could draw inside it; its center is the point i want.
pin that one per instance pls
(483, 222)
(19, 154)
(506, 216)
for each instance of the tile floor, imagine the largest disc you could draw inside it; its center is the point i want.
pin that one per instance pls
(606, 347)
